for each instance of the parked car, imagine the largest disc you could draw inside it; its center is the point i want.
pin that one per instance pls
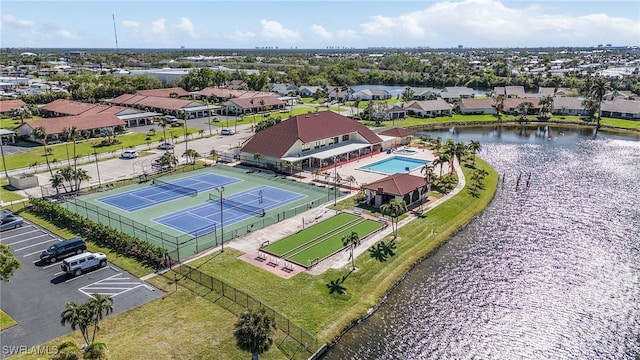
(166, 146)
(227, 132)
(10, 221)
(63, 249)
(78, 264)
(129, 154)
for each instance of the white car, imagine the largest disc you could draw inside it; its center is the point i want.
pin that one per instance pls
(227, 132)
(129, 154)
(166, 146)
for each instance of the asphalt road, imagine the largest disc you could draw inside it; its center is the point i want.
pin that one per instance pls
(38, 293)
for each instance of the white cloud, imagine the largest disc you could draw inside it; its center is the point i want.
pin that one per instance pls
(241, 36)
(186, 26)
(12, 20)
(158, 27)
(66, 34)
(274, 31)
(130, 24)
(491, 23)
(321, 32)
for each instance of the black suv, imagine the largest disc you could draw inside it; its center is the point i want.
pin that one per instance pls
(63, 249)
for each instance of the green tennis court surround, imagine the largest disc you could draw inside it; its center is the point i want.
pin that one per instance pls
(322, 239)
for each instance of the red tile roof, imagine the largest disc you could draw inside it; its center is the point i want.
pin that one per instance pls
(276, 140)
(164, 92)
(81, 122)
(245, 102)
(8, 105)
(68, 107)
(396, 132)
(154, 102)
(397, 184)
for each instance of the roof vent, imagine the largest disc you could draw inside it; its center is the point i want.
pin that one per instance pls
(317, 114)
(306, 116)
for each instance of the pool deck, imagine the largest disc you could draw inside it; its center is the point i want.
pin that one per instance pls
(249, 244)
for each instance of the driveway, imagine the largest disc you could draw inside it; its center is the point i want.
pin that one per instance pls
(38, 293)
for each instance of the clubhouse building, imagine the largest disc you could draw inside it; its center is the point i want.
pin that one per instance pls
(309, 142)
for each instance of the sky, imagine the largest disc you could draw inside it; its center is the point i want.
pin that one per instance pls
(318, 24)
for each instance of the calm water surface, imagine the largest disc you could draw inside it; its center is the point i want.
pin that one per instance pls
(551, 271)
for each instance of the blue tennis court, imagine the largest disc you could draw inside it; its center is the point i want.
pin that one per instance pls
(204, 218)
(161, 193)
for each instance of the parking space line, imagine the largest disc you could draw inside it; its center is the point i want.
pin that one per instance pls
(29, 239)
(33, 253)
(4, 238)
(38, 244)
(112, 286)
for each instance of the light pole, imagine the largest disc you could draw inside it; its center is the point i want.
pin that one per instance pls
(220, 191)
(208, 116)
(4, 164)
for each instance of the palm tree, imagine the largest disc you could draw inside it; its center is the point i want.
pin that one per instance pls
(499, 100)
(41, 134)
(598, 89)
(168, 159)
(429, 175)
(394, 209)
(99, 307)
(546, 104)
(191, 155)
(72, 134)
(523, 108)
(474, 147)
(214, 155)
(78, 317)
(351, 240)
(254, 331)
(80, 175)
(440, 160)
(163, 123)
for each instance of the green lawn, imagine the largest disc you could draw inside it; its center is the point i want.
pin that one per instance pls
(8, 195)
(157, 330)
(331, 244)
(6, 321)
(322, 239)
(293, 241)
(12, 124)
(85, 148)
(328, 314)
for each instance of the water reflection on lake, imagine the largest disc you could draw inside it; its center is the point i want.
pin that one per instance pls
(551, 271)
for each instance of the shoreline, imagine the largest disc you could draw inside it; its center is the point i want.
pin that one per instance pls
(440, 239)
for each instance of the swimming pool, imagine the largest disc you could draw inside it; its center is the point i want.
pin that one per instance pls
(396, 164)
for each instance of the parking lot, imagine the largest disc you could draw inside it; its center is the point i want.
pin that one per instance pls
(38, 293)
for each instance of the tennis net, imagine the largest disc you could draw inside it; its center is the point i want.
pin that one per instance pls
(255, 210)
(175, 187)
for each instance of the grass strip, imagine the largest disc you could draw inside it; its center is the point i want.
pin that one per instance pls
(291, 242)
(6, 321)
(334, 243)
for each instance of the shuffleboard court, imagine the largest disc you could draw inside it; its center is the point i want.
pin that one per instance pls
(166, 191)
(323, 239)
(205, 218)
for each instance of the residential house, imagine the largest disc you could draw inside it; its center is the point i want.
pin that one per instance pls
(511, 105)
(563, 105)
(453, 93)
(485, 106)
(341, 94)
(411, 189)
(55, 128)
(284, 89)
(544, 91)
(175, 92)
(166, 105)
(311, 141)
(425, 93)
(429, 108)
(516, 91)
(8, 106)
(308, 91)
(621, 109)
(131, 116)
(371, 94)
(254, 104)
(397, 137)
